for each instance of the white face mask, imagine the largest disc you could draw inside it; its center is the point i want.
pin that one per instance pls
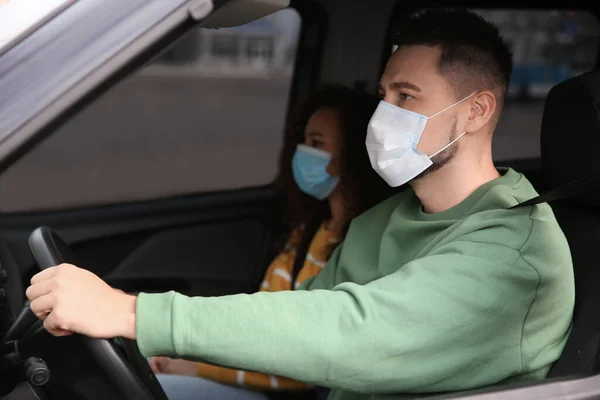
(392, 138)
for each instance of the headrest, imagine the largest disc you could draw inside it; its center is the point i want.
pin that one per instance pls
(570, 139)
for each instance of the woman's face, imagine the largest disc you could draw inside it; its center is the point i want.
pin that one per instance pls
(324, 132)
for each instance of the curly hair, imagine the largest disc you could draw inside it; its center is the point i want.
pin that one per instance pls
(361, 186)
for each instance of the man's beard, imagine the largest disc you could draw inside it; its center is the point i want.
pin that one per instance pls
(444, 157)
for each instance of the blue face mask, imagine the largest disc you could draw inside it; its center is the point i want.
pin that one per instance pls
(309, 166)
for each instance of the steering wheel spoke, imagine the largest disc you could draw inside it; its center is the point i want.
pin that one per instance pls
(120, 359)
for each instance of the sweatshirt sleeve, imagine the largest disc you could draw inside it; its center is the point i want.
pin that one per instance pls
(425, 328)
(257, 380)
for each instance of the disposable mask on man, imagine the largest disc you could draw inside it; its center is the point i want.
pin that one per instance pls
(392, 138)
(309, 166)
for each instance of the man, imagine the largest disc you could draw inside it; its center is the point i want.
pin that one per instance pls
(441, 288)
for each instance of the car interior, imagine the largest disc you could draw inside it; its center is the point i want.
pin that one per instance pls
(141, 142)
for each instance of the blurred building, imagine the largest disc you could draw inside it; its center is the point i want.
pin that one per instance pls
(266, 45)
(548, 47)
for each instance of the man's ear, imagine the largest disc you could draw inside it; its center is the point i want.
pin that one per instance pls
(483, 108)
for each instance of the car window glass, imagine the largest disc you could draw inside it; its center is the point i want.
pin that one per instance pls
(548, 48)
(208, 115)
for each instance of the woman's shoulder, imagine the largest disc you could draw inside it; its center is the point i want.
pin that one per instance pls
(295, 237)
(325, 237)
(320, 235)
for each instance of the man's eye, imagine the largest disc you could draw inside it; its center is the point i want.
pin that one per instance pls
(405, 96)
(315, 143)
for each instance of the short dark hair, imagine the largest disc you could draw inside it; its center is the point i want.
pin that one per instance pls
(474, 55)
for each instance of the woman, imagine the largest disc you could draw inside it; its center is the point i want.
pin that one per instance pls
(327, 179)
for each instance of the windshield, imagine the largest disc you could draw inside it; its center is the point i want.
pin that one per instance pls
(20, 17)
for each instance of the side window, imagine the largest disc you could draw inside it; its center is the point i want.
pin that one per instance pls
(207, 115)
(548, 47)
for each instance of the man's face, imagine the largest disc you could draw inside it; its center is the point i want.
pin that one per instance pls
(411, 81)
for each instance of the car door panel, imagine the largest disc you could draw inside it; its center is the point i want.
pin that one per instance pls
(228, 251)
(199, 245)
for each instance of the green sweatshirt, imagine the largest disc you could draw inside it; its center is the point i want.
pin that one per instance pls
(409, 303)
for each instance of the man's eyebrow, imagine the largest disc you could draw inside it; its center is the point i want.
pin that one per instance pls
(315, 134)
(401, 85)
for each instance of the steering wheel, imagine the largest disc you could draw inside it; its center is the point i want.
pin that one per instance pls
(122, 363)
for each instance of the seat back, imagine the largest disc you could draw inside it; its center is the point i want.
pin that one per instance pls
(570, 142)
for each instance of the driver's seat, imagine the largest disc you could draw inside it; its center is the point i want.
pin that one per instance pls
(570, 141)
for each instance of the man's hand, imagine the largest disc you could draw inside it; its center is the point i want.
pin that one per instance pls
(74, 300)
(167, 365)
